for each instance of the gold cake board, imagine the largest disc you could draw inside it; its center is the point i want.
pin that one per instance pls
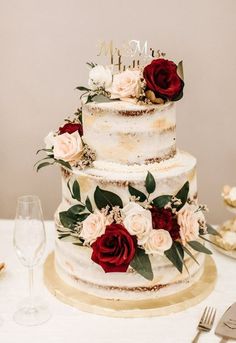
(130, 308)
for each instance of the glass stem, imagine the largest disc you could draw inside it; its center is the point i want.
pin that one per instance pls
(31, 286)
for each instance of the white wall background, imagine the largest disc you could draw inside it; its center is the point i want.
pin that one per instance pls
(44, 45)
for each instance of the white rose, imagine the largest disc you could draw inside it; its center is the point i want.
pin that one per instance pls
(49, 140)
(137, 221)
(189, 226)
(100, 76)
(158, 242)
(94, 226)
(126, 85)
(68, 147)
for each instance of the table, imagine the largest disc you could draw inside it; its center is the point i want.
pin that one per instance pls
(69, 325)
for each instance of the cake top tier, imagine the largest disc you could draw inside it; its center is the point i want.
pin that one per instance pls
(127, 116)
(128, 133)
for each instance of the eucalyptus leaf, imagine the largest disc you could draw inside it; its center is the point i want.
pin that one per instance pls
(76, 191)
(101, 98)
(182, 195)
(135, 192)
(76, 209)
(212, 231)
(162, 200)
(179, 249)
(150, 183)
(190, 254)
(79, 244)
(105, 198)
(46, 150)
(44, 164)
(180, 70)
(88, 204)
(142, 265)
(81, 88)
(195, 245)
(174, 257)
(64, 164)
(82, 216)
(67, 220)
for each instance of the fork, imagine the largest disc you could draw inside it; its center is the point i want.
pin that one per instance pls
(206, 322)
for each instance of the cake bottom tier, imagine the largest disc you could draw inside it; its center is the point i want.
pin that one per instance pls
(74, 266)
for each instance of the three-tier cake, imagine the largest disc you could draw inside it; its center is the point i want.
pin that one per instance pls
(129, 225)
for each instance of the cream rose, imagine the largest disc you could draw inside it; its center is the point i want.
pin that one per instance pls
(137, 221)
(126, 85)
(68, 147)
(189, 226)
(158, 242)
(100, 76)
(94, 226)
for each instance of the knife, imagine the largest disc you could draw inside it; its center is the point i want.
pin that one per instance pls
(226, 328)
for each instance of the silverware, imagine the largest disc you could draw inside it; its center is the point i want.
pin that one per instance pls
(226, 328)
(206, 322)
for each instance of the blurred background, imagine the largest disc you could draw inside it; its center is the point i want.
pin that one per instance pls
(44, 47)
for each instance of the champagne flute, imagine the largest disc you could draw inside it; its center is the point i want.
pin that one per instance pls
(29, 242)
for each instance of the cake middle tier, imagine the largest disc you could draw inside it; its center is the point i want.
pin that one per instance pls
(170, 175)
(126, 133)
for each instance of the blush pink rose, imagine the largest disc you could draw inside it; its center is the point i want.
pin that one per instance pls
(189, 226)
(68, 147)
(126, 85)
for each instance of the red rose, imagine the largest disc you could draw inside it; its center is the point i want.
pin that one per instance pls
(70, 128)
(115, 249)
(161, 77)
(164, 219)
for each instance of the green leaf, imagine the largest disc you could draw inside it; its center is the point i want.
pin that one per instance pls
(44, 164)
(88, 204)
(67, 219)
(43, 159)
(190, 254)
(142, 265)
(68, 185)
(162, 200)
(150, 183)
(135, 192)
(182, 195)
(103, 198)
(90, 98)
(64, 164)
(76, 191)
(101, 98)
(179, 249)
(195, 245)
(81, 217)
(81, 88)
(76, 209)
(209, 241)
(174, 256)
(212, 231)
(46, 150)
(61, 236)
(180, 70)
(80, 244)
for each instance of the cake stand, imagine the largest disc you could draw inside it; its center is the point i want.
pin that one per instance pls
(124, 308)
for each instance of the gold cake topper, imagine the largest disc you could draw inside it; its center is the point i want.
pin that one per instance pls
(131, 54)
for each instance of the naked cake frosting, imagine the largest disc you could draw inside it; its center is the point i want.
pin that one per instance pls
(129, 225)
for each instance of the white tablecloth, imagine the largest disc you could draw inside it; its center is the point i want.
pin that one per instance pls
(71, 325)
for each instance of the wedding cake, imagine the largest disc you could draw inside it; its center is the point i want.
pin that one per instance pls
(129, 225)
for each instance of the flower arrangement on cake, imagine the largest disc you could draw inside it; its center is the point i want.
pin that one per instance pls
(122, 236)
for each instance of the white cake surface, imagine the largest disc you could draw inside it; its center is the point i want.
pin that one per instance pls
(126, 133)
